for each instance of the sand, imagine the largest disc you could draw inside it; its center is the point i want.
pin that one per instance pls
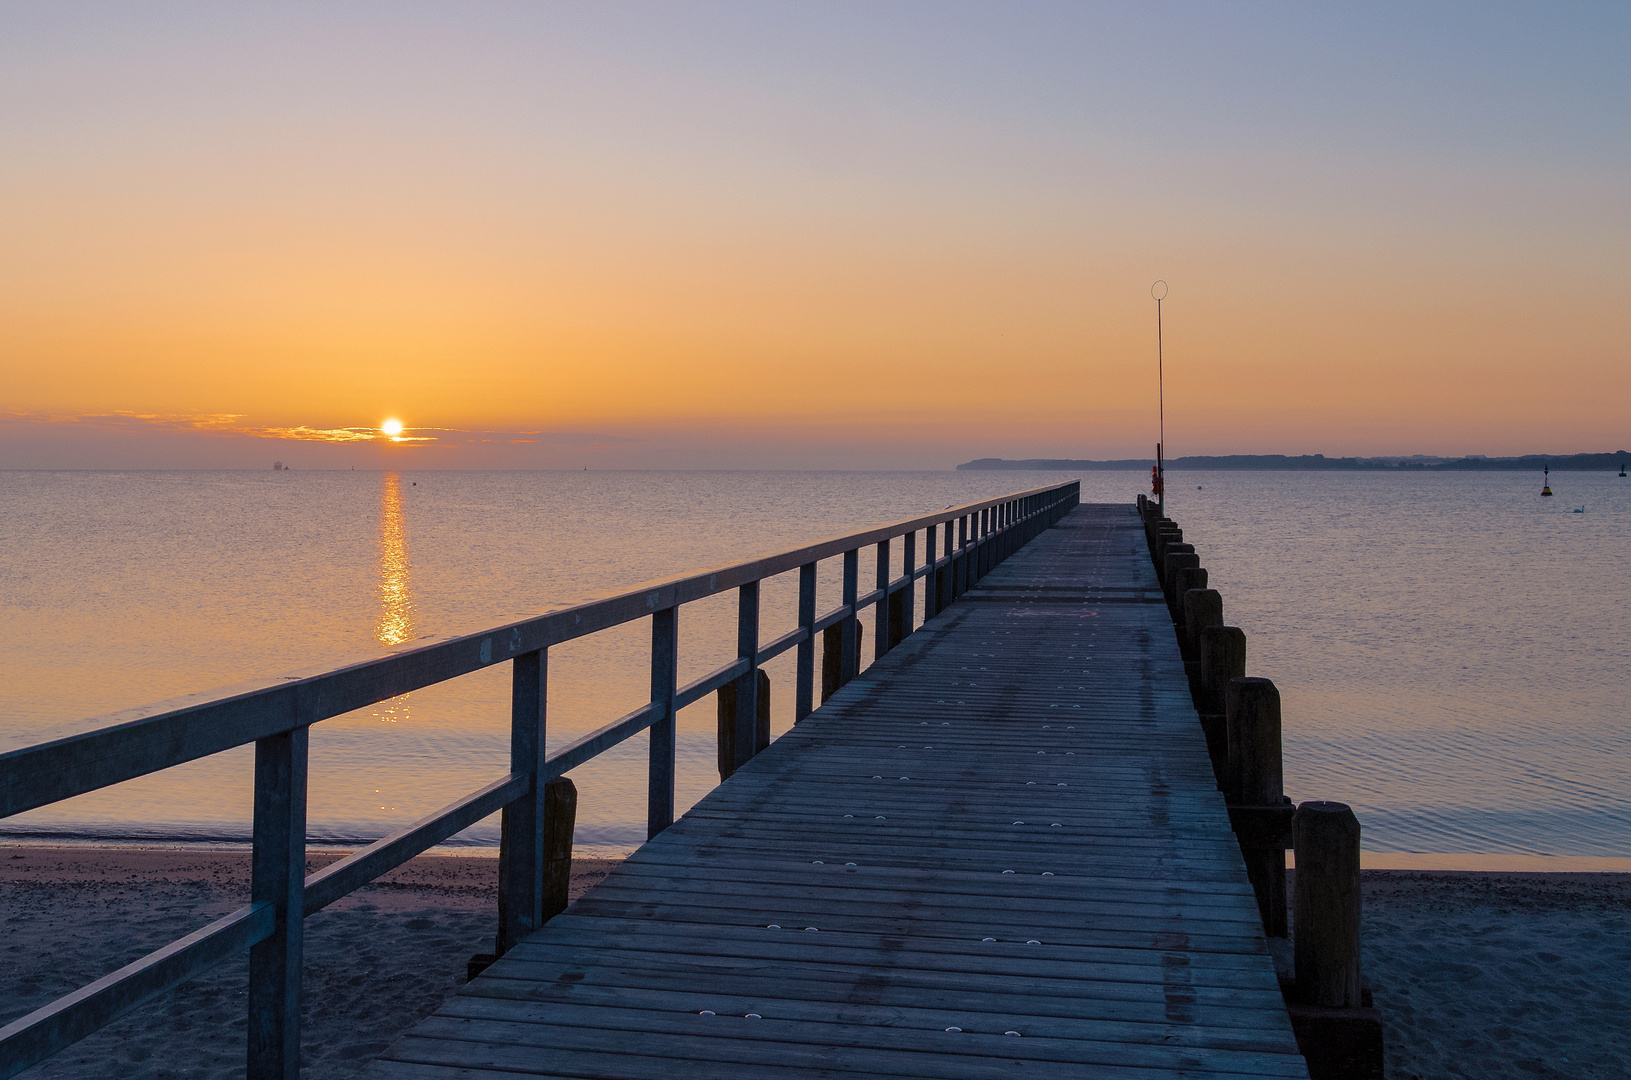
(376, 961)
(1500, 975)
(1477, 975)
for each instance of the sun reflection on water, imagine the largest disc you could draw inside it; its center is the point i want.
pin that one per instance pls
(395, 596)
(395, 599)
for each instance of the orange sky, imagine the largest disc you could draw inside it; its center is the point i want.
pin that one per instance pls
(795, 238)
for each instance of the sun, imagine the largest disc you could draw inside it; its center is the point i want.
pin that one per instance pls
(393, 428)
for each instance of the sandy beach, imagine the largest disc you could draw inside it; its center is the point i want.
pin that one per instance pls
(376, 961)
(1478, 975)
(1487, 976)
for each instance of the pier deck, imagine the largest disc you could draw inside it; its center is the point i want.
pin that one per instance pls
(1008, 824)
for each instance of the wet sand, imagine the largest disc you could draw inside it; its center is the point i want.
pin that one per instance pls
(1477, 975)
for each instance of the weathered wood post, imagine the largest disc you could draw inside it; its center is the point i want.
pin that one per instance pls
(1178, 564)
(1176, 559)
(931, 580)
(804, 680)
(880, 611)
(1202, 607)
(1255, 782)
(849, 663)
(560, 818)
(1169, 553)
(908, 591)
(560, 802)
(665, 662)
(277, 877)
(1326, 835)
(523, 823)
(746, 696)
(1338, 1032)
(1165, 533)
(832, 657)
(728, 713)
(1186, 580)
(1223, 657)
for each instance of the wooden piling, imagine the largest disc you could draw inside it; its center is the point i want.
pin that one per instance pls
(1326, 836)
(728, 752)
(560, 818)
(1165, 538)
(897, 617)
(1165, 533)
(1222, 657)
(1203, 607)
(1338, 1032)
(1185, 578)
(832, 656)
(1255, 779)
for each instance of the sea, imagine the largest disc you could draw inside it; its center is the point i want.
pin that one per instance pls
(1453, 651)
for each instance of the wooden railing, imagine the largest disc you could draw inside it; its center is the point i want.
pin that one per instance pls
(277, 718)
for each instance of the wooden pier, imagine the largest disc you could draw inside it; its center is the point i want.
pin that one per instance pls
(1000, 851)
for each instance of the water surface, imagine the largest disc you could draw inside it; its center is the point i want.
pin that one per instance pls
(1452, 650)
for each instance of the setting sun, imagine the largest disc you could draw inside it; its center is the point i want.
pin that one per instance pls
(392, 428)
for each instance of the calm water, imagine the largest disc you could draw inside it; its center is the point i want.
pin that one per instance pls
(1453, 651)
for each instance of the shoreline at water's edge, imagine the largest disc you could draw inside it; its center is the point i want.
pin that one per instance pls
(1492, 974)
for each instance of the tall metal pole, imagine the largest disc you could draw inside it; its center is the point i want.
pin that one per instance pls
(1159, 291)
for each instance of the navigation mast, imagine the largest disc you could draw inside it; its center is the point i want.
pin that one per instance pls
(1158, 481)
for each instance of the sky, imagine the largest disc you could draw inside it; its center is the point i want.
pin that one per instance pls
(814, 235)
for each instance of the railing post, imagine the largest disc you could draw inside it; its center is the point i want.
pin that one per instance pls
(278, 876)
(664, 667)
(747, 687)
(880, 610)
(908, 603)
(959, 567)
(931, 580)
(982, 531)
(804, 691)
(850, 665)
(522, 829)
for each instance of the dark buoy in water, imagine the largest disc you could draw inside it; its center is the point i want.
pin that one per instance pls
(1546, 481)
(1622, 468)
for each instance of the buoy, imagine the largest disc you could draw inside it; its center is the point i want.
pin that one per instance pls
(1546, 481)
(1622, 469)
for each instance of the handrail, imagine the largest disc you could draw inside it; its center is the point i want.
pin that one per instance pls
(159, 736)
(276, 715)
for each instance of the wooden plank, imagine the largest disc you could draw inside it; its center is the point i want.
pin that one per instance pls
(1061, 1043)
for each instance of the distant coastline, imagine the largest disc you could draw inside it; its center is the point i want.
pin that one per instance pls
(1475, 463)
